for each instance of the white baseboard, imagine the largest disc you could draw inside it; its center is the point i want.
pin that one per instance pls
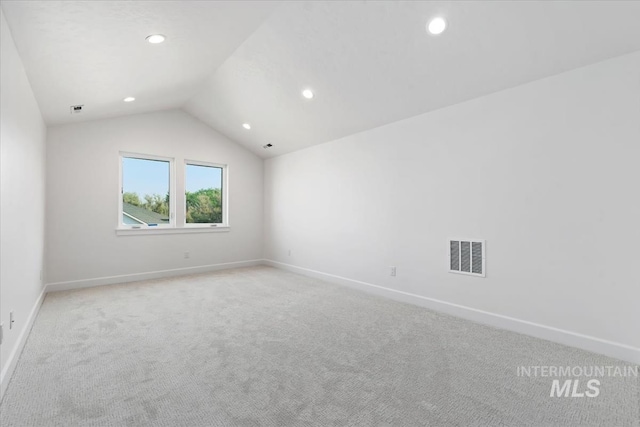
(612, 349)
(135, 277)
(12, 361)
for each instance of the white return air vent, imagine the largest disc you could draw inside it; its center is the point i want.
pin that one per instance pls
(467, 256)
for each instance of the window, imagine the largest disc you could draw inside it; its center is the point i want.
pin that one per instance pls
(204, 194)
(151, 187)
(146, 191)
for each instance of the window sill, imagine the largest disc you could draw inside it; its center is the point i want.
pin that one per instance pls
(171, 230)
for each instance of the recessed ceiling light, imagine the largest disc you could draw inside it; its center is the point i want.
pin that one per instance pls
(437, 25)
(307, 93)
(129, 99)
(155, 38)
(247, 126)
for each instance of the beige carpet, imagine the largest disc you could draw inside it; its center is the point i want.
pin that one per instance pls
(264, 347)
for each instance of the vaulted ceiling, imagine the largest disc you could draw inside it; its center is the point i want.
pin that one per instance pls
(235, 62)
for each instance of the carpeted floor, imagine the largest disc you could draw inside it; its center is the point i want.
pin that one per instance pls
(264, 347)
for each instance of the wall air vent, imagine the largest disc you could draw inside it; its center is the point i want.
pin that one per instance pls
(76, 109)
(467, 256)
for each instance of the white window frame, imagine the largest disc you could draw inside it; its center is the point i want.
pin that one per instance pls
(172, 193)
(225, 195)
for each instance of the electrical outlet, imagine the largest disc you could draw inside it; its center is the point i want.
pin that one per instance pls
(11, 320)
(187, 255)
(392, 271)
(289, 252)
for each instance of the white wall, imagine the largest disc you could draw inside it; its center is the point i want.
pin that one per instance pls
(22, 201)
(548, 173)
(83, 192)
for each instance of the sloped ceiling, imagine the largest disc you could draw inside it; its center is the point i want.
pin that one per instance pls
(94, 52)
(368, 63)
